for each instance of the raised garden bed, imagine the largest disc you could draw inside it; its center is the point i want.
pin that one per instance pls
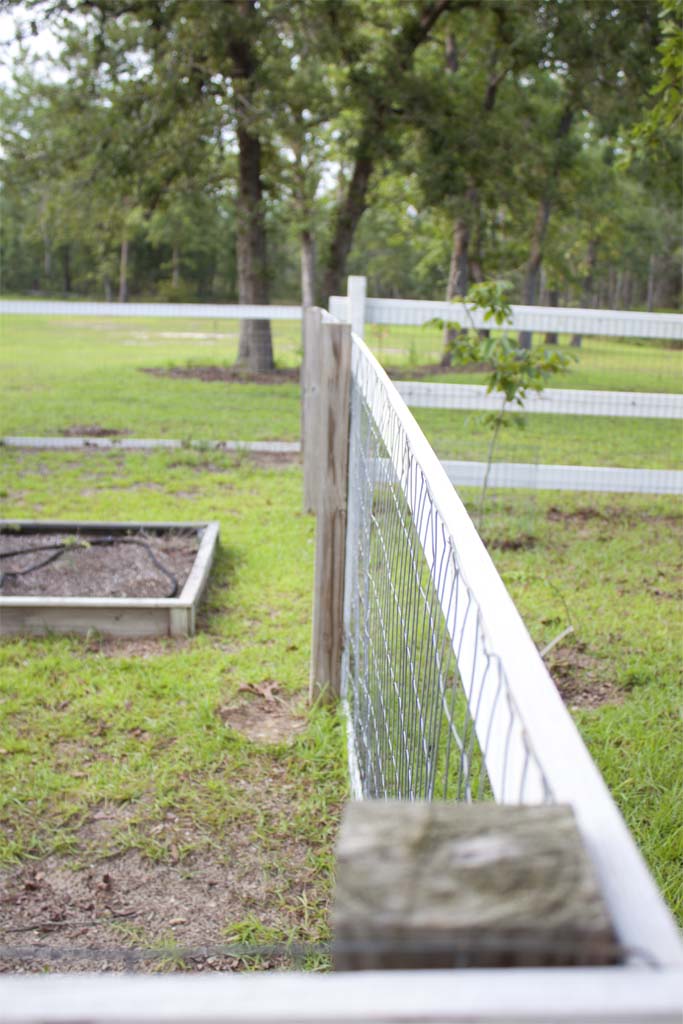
(117, 579)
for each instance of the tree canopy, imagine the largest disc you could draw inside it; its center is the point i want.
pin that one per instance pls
(260, 149)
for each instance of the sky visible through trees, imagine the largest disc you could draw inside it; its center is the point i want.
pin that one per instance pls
(260, 150)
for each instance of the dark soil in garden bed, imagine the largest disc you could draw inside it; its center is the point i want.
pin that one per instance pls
(139, 564)
(433, 370)
(227, 374)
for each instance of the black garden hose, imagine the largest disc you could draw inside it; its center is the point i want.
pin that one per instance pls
(62, 547)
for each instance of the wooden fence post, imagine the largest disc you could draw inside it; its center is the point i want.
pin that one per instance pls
(330, 550)
(422, 885)
(310, 405)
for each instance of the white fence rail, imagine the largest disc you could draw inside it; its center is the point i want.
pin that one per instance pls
(531, 476)
(562, 401)
(649, 990)
(171, 310)
(529, 744)
(605, 322)
(596, 995)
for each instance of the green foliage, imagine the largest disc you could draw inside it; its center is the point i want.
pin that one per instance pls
(511, 372)
(373, 121)
(138, 740)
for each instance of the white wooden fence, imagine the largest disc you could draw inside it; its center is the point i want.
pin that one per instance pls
(417, 312)
(359, 310)
(646, 991)
(555, 401)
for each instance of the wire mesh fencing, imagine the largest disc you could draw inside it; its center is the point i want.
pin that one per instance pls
(430, 709)
(446, 695)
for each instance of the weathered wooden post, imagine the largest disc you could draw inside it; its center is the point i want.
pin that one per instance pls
(310, 404)
(422, 885)
(330, 549)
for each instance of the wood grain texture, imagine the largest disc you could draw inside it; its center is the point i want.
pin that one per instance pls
(424, 885)
(328, 595)
(112, 617)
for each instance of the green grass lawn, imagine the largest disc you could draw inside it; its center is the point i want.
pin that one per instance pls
(610, 566)
(142, 737)
(556, 440)
(58, 373)
(123, 754)
(608, 364)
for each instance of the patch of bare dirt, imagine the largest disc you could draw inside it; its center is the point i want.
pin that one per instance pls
(610, 514)
(225, 374)
(433, 370)
(579, 676)
(103, 916)
(92, 430)
(83, 565)
(265, 716)
(524, 542)
(95, 910)
(274, 459)
(144, 647)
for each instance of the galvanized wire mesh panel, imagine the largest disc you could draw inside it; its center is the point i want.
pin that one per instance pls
(431, 713)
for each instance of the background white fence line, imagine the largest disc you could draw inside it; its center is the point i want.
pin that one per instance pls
(411, 312)
(562, 401)
(634, 994)
(532, 476)
(465, 396)
(492, 648)
(171, 310)
(605, 322)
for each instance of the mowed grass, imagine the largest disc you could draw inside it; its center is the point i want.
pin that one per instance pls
(556, 440)
(57, 373)
(610, 566)
(601, 364)
(140, 733)
(65, 374)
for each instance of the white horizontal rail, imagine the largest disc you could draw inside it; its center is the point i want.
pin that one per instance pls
(640, 916)
(606, 322)
(567, 401)
(528, 476)
(171, 310)
(149, 443)
(461, 473)
(574, 995)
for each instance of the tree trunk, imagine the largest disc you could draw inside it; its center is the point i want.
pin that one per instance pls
(553, 296)
(533, 268)
(175, 266)
(47, 257)
(108, 292)
(66, 268)
(256, 345)
(307, 268)
(123, 270)
(377, 121)
(651, 283)
(346, 221)
(458, 279)
(587, 297)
